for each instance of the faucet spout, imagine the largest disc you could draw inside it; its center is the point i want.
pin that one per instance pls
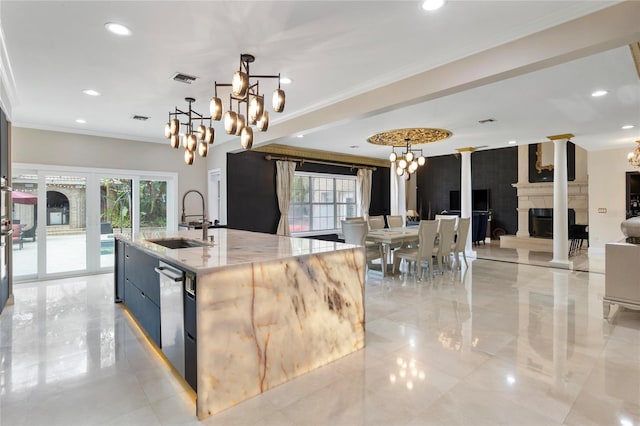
(205, 222)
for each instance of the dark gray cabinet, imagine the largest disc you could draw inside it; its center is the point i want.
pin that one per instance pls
(190, 341)
(141, 288)
(118, 271)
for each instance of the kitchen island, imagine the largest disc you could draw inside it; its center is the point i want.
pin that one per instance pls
(267, 308)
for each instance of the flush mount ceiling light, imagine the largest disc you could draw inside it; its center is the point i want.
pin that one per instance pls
(81, 121)
(407, 160)
(430, 5)
(245, 94)
(91, 92)
(599, 93)
(196, 134)
(118, 29)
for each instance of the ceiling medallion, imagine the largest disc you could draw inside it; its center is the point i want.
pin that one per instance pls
(417, 135)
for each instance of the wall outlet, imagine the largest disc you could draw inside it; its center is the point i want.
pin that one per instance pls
(602, 210)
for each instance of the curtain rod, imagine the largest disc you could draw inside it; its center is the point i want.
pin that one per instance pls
(327, 163)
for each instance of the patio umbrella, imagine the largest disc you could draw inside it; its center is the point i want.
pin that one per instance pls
(23, 198)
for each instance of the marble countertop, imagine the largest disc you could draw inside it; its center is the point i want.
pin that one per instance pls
(231, 247)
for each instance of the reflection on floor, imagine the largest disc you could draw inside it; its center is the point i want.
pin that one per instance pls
(495, 343)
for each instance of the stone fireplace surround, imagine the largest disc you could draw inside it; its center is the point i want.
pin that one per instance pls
(540, 196)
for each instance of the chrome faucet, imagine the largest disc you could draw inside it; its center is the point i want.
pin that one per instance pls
(205, 222)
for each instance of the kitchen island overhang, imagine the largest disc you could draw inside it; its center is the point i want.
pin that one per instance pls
(269, 308)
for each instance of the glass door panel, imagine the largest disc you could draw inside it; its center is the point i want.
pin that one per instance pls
(153, 205)
(115, 214)
(24, 219)
(66, 221)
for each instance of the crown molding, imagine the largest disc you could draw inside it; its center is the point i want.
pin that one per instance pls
(316, 154)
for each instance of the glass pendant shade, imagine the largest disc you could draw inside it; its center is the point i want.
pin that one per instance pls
(278, 100)
(413, 166)
(240, 124)
(215, 108)
(167, 131)
(393, 157)
(409, 156)
(192, 142)
(240, 84)
(188, 157)
(174, 126)
(399, 171)
(402, 164)
(421, 161)
(208, 135)
(175, 141)
(256, 108)
(230, 122)
(203, 149)
(246, 137)
(201, 131)
(263, 122)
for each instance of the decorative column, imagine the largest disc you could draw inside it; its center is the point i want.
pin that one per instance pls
(560, 203)
(465, 192)
(523, 178)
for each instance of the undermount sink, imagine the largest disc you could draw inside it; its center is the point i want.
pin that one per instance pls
(179, 243)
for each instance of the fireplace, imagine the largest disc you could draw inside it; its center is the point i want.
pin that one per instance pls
(541, 222)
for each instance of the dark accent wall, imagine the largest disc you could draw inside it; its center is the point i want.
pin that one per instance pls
(547, 175)
(494, 170)
(252, 203)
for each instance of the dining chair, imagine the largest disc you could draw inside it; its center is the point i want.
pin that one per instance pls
(354, 218)
(446, 232)
(454, 218)
(376, 222)
(395, 221)
(424, 252)
(461, 240)
(355, 232)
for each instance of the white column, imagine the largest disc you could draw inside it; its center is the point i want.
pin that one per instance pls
(523, 178)
(465, 192)
(560, 205)
(393, 190)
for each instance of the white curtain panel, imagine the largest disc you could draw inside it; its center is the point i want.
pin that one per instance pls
(364, 191)
(285, 171)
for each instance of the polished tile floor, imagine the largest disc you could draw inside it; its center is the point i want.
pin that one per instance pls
(495, 343)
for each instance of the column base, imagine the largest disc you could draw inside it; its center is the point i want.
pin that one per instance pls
(561, 264)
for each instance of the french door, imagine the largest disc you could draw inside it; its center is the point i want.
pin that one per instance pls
(68, 216)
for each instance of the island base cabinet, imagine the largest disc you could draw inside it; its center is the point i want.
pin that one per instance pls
(144, 310)
(191, 361)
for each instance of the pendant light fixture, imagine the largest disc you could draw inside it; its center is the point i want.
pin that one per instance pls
(193, 132)
(245, 93)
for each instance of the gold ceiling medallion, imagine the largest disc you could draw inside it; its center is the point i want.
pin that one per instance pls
(417, 135)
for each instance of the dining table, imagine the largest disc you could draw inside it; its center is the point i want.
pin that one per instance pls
(389, 237)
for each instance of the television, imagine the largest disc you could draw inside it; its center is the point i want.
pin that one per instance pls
(479, 200)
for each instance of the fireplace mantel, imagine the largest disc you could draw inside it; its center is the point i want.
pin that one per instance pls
(539, 195)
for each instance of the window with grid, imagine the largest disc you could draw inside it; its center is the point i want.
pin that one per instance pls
(319, 202)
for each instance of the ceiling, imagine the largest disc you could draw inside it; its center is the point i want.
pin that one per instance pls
(358, 68)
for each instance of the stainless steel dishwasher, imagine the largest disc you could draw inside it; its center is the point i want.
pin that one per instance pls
(172, 315)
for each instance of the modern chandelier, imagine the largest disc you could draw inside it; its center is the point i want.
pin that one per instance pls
(634, 156)
(189, 138)
(409, 159)
(245, 96)
(246, 108)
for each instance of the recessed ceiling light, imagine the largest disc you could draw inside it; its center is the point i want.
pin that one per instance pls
(81, 121)
(285, 80)
(599, 93)
(118, 29)
(91, 92)
(512, 142)
(430, 5)
(300, 136)
(627, 127)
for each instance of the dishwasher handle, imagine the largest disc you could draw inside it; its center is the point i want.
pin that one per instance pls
(170, 273)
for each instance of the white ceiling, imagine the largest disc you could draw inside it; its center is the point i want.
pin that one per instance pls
(333, 50)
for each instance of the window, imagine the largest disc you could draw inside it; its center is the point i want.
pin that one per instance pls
(320, 201)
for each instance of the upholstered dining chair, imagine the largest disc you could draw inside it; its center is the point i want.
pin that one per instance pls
(376, 222)
(355, 232)
(424, 252)
(440, 217)
(461, 240)
(395, 221)
(447, 233)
